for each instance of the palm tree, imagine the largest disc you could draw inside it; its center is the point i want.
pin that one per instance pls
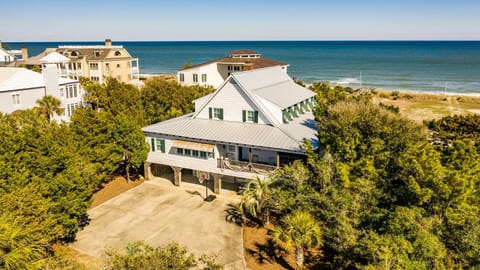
(49, 105)
(18, 247)
(257, 199)
(301, 231)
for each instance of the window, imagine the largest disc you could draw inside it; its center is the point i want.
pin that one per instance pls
(229, 68)
(182, 77)
(236, 68)
(118, 65)
(72, 91)
(95, 78)
(250, 116)
(118, 53)
(215, 113)
(195, 153)
(16, 99)
(195, 77)
(160, 144)
(94, 66)
(71, 108)
(107, 66)
(62, 91)
(187, 152)
(204, 77)
(203, 154)
(157, 144)
(180, 151)
(97, 53)
(79, 65)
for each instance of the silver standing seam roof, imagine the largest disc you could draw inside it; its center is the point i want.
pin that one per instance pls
(272, 84)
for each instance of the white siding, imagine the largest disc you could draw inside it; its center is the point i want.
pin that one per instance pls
(214, 78)
(233, 101)
(28, 99)
(275, 110)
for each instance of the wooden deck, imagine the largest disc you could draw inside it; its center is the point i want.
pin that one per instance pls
(208, 165)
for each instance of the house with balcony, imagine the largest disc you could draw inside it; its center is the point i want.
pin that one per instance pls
(252, 124)
(215, 72)
(96, 62)
(20, 88)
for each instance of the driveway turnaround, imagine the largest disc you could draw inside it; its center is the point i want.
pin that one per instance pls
(158, 213)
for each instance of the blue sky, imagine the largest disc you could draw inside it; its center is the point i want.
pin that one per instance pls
(122, 20)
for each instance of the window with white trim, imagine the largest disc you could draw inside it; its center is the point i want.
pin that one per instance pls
(182, 77)
(195, 77)
(204, 77)
(16, 99)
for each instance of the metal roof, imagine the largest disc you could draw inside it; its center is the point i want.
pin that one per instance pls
(286, 137)
(274, 85)
(19, 78)
(12, 78)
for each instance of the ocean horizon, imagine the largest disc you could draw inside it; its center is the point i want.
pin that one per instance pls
(407, 65)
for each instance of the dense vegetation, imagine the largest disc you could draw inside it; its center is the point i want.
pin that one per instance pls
(383, 196)
(50, 170)
(139, 255)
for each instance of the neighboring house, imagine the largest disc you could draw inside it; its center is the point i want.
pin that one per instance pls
(20, 89)
(215, 72)
(96, 62)
(6, 57)
(252, 124)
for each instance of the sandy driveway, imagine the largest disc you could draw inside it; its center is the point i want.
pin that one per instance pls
(158, 213)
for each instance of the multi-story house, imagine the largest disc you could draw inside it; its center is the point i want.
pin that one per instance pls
(96, 62)
(20, 89)
(216, 71)
(252, 124)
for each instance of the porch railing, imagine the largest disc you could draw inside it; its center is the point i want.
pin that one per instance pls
(244, 166)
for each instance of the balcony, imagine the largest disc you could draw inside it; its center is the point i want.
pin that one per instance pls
(245, 166)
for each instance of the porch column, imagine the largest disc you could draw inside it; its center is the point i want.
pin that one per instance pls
(217, 183)
(147, 168)
(177, 179)
(278, 160)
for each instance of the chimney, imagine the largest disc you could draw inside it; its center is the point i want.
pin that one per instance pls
(108, 42)
(24, 53)
(1, 44)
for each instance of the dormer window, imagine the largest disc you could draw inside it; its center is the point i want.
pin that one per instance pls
(250, 116)
(74, 53)
(118, 53)
(215, 113)
(97, 53)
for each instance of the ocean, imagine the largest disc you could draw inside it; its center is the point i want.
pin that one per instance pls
(425, 66)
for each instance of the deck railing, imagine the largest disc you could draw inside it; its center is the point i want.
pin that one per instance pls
(244, 166)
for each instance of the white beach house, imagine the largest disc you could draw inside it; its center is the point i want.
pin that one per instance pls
(20, 88)
(216, 71)
(253, 123)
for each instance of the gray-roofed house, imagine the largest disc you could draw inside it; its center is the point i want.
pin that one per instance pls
(216, 71)
(252, 124)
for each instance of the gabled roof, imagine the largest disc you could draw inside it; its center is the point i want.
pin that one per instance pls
(54, 57)
(274, 85)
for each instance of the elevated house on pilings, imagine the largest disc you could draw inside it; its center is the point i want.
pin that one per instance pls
(253, 123)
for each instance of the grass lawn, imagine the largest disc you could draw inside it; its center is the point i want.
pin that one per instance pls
(421, 106)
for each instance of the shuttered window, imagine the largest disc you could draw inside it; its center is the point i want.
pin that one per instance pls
(157, 145)
(250, 116)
